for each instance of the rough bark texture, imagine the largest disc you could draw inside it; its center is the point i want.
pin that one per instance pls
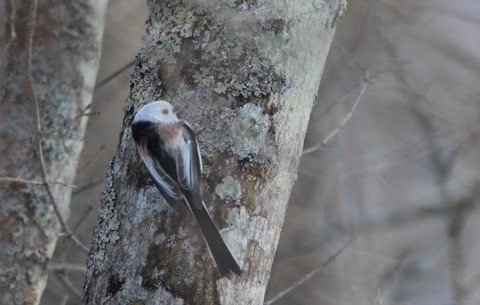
(65, 56)
(245, 75)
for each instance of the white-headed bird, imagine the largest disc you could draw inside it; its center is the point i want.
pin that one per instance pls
(169, 149)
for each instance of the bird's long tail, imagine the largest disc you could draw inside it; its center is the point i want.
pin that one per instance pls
(221, 254)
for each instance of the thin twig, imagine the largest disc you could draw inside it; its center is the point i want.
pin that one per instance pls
(348, 54)
(25, 181)
(367, 80)
(68, 286)
(33, 97)
(95, 113)
(88, 186)
(348, 116)
(92, 159)
(311, 241)
(114, 74)
(331, 259)
(84, 217)
(64, 267)
(20, 180)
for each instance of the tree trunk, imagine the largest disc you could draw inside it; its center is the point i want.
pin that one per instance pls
(245, 75)
(53, 51)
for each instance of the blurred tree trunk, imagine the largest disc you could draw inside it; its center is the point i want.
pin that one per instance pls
(52, 52)
(245, 75)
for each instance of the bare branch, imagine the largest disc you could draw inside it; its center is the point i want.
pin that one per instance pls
(26, 181)
(314, 239)
(331, 259)
(65, 267)
(366, 82)
(91, 160)
(114, 74)
(88, 186)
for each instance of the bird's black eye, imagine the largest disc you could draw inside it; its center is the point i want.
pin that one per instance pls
(165, 111)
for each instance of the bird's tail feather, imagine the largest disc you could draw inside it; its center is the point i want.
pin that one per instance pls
(226, 263)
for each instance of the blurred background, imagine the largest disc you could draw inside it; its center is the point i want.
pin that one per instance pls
(384, 212)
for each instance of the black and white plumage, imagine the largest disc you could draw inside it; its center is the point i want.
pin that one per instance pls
(169, 149)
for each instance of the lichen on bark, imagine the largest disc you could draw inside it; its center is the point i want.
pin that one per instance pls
(64, 57)
(244, 74)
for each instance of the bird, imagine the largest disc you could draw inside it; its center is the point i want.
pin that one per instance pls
(169, 149)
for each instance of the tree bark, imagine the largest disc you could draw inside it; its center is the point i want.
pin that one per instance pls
(53, 51)
(245, 75)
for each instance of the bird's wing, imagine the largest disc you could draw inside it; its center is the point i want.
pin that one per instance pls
(168, 187)
(189, 165)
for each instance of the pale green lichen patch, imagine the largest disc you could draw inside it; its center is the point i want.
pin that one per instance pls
(249, 130)
(234, 236)
(242, 4)
(175, 22)
(244, 229)
(191, 44)
(229, 190)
